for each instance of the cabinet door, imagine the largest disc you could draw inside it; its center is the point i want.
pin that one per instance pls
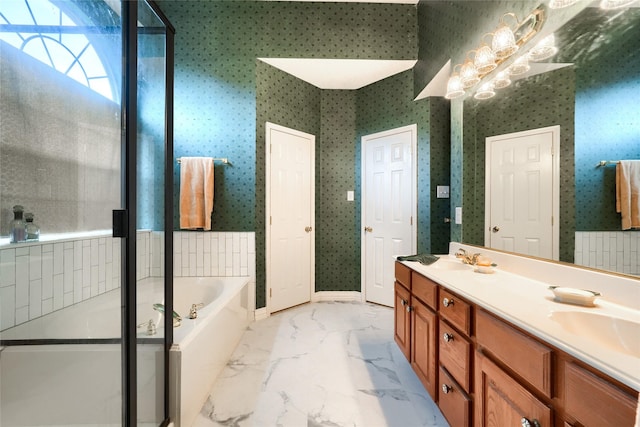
(502, 402)
(402, 322)
(592, 401)
(423, 345)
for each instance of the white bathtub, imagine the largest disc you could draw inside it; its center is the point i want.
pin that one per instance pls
(62, 384)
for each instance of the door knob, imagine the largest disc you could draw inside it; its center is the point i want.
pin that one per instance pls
(368, 229)
(308, 229)
(495, 229)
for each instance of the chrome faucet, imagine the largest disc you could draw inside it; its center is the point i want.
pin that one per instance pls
(467, 258)
(177, 320)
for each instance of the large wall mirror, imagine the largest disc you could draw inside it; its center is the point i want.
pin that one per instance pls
(591, 90)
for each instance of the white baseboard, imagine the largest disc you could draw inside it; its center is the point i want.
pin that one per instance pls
(261, 313)
(337, 296)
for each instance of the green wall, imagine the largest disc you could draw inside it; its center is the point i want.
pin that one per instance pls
(224, 96)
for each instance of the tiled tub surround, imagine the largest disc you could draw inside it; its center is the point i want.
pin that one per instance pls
(41, 277)
(617, 251)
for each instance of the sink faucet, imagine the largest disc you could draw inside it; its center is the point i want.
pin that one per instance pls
(177, 320)
(467, 258)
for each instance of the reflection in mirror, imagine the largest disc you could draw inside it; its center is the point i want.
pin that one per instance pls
(594, 101)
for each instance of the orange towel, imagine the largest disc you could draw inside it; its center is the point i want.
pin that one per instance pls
(196, 192)
(628, 193)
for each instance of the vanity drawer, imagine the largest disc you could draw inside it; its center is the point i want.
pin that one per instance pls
(455, 354)
(403, 275)
(424, 289)
(455, 310)
(519, 352)
(453, 401)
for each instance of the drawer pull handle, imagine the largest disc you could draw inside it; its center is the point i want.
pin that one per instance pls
(526, 423)
(409, 308)
(447, 337)
(404, 302)
(447, 302)
(446, 389)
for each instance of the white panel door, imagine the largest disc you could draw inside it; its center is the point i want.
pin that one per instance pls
(520, 192)
(290, 207)
(388, 208)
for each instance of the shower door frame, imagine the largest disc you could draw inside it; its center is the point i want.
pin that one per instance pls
(130, 31)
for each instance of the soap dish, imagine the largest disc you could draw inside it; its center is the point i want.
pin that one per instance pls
(575, 296)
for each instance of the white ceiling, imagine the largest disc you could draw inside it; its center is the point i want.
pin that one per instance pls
(340, 73)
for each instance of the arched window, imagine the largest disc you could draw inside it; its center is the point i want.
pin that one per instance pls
(36, 28)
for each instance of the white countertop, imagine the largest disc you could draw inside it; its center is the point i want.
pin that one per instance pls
(529, 304)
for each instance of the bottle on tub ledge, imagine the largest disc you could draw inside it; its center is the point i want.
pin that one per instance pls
(33, 231)
(18, 226)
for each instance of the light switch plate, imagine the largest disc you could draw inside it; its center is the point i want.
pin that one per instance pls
(442, 191)
(350, 196)
(458, 214)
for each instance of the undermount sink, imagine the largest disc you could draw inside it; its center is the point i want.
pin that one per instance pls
(619, 334)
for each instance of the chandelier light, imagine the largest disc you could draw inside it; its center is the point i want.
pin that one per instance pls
(520, 66)
(545, 49)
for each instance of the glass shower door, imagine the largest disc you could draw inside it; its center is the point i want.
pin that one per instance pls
(154, 238)
(60, 159)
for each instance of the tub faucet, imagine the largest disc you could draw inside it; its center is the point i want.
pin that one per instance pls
(177, 320)
(467, 258)
(193, 313)
(151, 327)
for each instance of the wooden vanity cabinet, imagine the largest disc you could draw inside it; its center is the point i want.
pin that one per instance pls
(424, 325)
(402, 319)
(500, 400)
(592, 401)
(484, 371)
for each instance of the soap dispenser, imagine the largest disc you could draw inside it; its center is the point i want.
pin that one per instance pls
(18, 226)
(33, 231)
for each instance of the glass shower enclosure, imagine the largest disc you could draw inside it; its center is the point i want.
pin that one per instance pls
(86, 104)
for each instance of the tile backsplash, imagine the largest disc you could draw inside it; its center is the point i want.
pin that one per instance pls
(617, 251)
(38, 278)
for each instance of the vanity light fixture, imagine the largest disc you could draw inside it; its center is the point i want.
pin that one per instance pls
(455, 88)
(504, 40)
(545, 49)
(469, 73)
(615, 4)
(486, 91)
(559, 4)
(520, 66)
(501, 80)
(485, 59)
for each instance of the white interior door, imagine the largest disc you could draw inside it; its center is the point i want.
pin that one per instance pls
(522, 192)
(388, 208)
(290, 217)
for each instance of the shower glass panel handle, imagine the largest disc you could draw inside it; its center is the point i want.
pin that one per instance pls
(120, 221)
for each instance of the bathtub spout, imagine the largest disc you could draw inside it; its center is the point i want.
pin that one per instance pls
(177, 320)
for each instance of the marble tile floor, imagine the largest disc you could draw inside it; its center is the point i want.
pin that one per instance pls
(331, 364)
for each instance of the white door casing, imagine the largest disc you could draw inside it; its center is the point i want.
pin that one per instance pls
(522, 192)
(290, 171)
(389, 207)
